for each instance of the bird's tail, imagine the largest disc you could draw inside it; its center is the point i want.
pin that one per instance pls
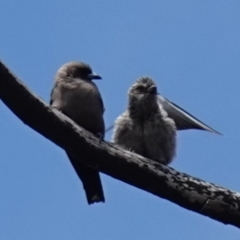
(90, 179)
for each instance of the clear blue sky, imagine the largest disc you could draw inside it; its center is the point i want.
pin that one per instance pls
(191, 48)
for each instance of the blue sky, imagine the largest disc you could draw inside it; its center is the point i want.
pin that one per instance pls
(191, 49)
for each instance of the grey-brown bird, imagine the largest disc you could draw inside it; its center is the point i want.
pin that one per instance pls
(145, 127)
(75, 95)
(183, 119)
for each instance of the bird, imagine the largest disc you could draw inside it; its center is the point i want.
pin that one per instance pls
(76, 95)
(183, 119)
(145, 127)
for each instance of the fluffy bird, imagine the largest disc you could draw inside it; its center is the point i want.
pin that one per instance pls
(145, 127)
(182, 119)
(75, 95)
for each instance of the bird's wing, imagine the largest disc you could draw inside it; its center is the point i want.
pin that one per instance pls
(183, 119)
(51, 97)
(101, 102)
(55, 97)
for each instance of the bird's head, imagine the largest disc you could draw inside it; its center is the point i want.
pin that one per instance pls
(143, 88)
(143, 98)
(77, 70)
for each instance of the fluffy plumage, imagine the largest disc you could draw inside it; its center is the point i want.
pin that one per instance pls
(145, 127)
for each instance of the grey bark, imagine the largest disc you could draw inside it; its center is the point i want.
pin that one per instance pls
(189, 192)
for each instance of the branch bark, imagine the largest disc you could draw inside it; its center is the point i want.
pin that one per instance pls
(191, 193)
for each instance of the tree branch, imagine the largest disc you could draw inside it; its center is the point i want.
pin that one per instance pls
(191, 193)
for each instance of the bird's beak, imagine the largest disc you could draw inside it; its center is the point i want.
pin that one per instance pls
(152, 89)
(94, 76)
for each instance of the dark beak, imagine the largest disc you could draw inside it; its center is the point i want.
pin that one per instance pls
(93, 76)
(152, 89)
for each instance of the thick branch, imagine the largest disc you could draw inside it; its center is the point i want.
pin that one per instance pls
(191, 193)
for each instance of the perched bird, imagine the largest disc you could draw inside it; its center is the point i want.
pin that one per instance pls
(145, 127)
(75, 95)
(183, 120)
